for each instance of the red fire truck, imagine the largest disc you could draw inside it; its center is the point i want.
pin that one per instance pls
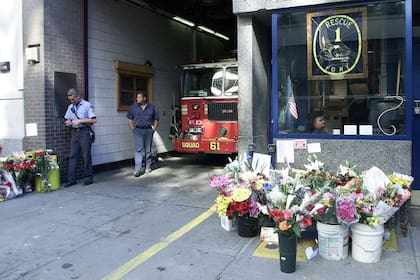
(209, 108)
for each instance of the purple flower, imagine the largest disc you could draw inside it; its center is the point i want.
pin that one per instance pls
(254, 210)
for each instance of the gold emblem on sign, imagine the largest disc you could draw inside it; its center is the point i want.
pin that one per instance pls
(332, 54)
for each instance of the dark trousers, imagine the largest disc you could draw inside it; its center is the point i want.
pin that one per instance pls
(80, 142)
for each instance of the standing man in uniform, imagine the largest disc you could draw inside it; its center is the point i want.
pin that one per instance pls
(79, 116)
(143, 119)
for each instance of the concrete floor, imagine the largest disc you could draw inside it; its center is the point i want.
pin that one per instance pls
(157, 226)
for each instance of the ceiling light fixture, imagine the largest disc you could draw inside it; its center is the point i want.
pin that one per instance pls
(156, 10)
(208, 30)
(222, 36)
(211, 31)
(183, 20)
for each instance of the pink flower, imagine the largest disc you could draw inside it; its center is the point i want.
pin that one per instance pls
(219, 181)
(287, 214)
(346, 210)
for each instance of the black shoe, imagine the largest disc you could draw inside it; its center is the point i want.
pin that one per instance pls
(87, 182)
(69, 184)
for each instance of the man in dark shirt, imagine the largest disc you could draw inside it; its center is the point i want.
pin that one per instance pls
(143, 119)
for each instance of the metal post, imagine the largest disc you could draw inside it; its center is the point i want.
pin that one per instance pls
(251, 150)
(272, 152)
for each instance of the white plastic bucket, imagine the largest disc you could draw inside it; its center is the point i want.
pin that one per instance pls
(333, 241)
(366, 242)
(226, 223)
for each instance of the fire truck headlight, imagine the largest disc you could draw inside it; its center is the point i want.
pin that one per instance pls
(223, 131)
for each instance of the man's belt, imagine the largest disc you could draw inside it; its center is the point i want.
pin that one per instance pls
(144, 127)
(79, 128)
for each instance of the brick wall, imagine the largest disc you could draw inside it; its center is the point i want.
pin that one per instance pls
(117, 31)
(57, 26)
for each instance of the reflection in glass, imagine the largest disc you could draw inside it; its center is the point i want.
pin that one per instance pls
(378, 99)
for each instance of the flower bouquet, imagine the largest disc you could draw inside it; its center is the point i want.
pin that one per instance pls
(334, 209)
(22, 170)
(290, 202)
(8, 188)
(333, 202)
(241, 193)
(383, 196)
(321, 184)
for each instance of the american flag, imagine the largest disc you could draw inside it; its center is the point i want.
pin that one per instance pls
(292, 106)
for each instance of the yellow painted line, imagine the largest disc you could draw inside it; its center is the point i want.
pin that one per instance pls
(141, 258)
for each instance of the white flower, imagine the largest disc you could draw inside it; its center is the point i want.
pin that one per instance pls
(347, 170)
(263, 208)
(276, 197)
(248, 176)
(290, 199)
(316, 208)
(314, 165)
(307, 199)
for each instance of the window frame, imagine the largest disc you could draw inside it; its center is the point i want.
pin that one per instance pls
(134, 71)
(275, 83)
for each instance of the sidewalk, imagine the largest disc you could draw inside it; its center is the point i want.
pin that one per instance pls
(123, 227)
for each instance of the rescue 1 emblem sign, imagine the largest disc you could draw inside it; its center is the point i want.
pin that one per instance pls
(337, 44)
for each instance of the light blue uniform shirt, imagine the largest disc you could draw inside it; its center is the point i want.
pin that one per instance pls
(83, 110)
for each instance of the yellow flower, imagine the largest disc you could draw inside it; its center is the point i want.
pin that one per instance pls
(259, 184)
(222, 204)
(401, 179)
(373, 221)
(241, 194)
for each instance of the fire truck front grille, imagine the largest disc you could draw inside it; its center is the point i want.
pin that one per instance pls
(227, 111)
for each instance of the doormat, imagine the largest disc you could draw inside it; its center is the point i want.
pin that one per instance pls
(270, 250)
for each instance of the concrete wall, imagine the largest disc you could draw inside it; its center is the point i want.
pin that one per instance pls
(244, 6)
(122, 31)
(387, 155)
(11, 89)
(254, 52)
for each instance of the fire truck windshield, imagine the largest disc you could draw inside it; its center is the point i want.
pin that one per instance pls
(231, 81)
(204, 82)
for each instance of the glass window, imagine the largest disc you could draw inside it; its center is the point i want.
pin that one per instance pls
(132, 79)
(130, 85)
(202, 82)
(342, 71)
(231, 81)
